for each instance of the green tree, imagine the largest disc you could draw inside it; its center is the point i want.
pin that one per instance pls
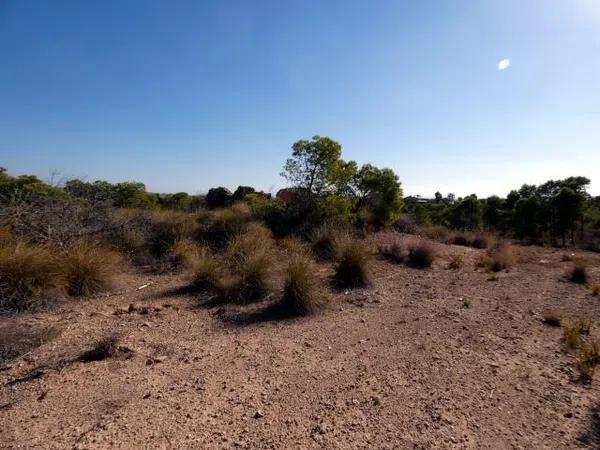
(567, 208)
(317, 168)
(380, 191)
(526, 217)
(492, 212)
(467, 214)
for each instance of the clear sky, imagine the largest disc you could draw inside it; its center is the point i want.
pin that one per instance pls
(187, 95)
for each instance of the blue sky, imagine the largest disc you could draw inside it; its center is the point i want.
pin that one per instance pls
(186, 95)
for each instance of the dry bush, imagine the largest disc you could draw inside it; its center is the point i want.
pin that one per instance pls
(353, 261)
(255, 272)
(183, 253)
(304, 292)
(102, 349)
(503, 256)
(595, 288)
(90, 268)
(219, 225)
(205, 270)
(482, 240)
(29, 275)
(456, 262)
(578, 273)
(482, 261)
(436, 233)
(552, 318)
(166, 228)
(294, 246)
(463, 239)
(421, 255)
(588, 358)
(572, 332)
(324, 240)
(256, 238)
(394, 253)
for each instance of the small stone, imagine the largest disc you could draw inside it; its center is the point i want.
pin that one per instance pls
(568, 415)
(147, 395)
(258, 414)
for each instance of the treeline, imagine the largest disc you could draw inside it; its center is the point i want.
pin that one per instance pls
(557, 211)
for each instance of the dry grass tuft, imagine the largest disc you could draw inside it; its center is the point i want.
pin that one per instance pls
(551, 318)
(325, 240)
(572, 333)
(462, 239)
(218, 226)
(502, 257)
(205, 270)
(394, 253)
(89, 269)
(304, 292)
(294, 246)
(421, 255)
(353, 261)
(482, 241)
(456, 262)
(103, 348)
(578, 273)
(28, 276)
(595, 288)
(588, 358)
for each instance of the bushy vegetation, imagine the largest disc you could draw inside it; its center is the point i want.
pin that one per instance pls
(421, 255)
(353, 263)
(304, 292)
(578, 273)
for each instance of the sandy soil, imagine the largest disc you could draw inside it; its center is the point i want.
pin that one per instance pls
(423, 359)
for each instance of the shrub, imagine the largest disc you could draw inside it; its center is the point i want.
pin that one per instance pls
(254, 272)
(167, 227)
(481, 241)
(587, 360)
(89, 269)
(572, 332)
(28, 275)
(502, 257)
(353, 260)
(461, 239)
(183, 253)
(394, 253)
(436, 233)
(406, 225)
(294, 246)
(551, 318)
(324, 240)
(482, 261)
(578, 273)
(421, 255)
(102, 349)
(218, 226)
(303, 291)
(456, 262)
(205, 270)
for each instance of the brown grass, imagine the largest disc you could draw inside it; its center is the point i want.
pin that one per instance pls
(218, 226)
(205, 270)
(551, 318)
(325, 240)
(28, 276)
(578, 273)
(503, 256)
(588, 358)
(102, 349)
(394, 253)
(572, 332)
(421, 255)
(304, 292)
(456, 262)
(462, 239)
(89, 268)
(294, 246)
(353, 263)
(437, 233)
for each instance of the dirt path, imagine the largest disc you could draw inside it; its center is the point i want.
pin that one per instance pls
(423, 359)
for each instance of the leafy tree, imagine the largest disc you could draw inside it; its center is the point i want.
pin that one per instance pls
(379, 190)
(526, 216)
(567, 207)
(316, 166)
(492, 212)
(467, 214)
(438, 197)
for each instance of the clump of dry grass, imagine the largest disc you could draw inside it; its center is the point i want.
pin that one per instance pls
(503, 256)
(102, 349)
(588, 358)
(572, 332)
(436, 233)
(183, 253)
(456, 262)
(394, 253)
(578, 273)
(462, 239)
(595, 288)
(353, 263)
(421, 255)
(294, 246)
(304, 292)
(89, 268)
(551, 318)
(325, 240)
(219, 225)
(205, 270)
(28, 275)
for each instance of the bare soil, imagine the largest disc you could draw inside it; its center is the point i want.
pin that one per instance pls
(422, 359)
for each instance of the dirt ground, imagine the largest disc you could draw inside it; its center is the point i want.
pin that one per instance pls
(423, 359)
